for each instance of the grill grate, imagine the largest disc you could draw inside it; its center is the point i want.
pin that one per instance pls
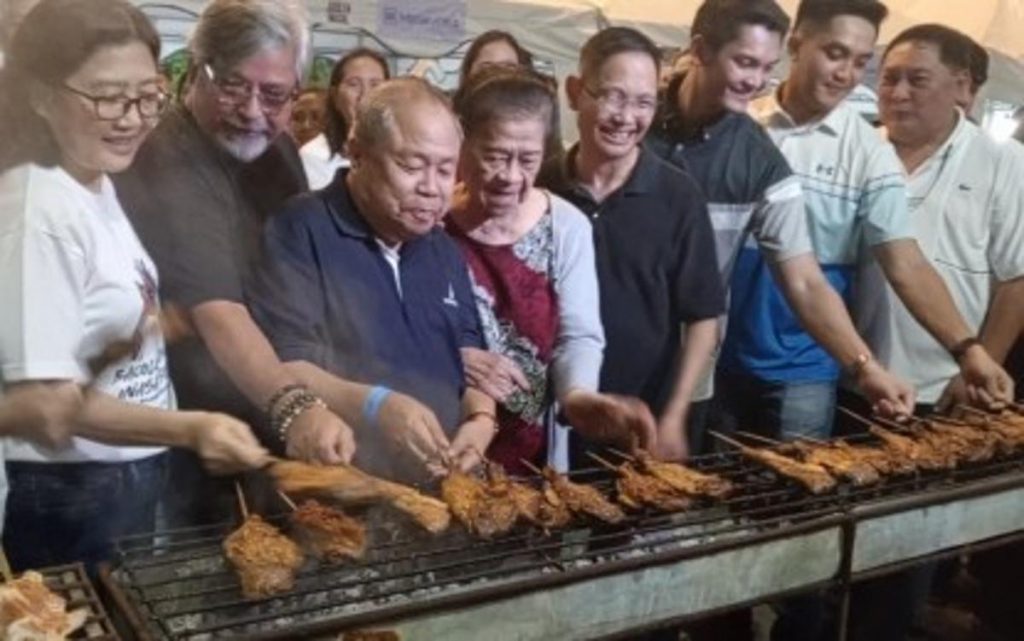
(180, 587)
(72, 584)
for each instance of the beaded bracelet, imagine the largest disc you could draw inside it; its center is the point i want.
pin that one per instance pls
(279, 395)
(286, 415)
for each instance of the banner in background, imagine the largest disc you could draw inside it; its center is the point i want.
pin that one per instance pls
(443, 20)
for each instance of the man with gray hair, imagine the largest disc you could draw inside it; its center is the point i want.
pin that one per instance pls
(358, 280)
(200, 188)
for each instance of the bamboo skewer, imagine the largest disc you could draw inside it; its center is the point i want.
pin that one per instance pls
(948, 419)
(973, 410)
(287, 500)
(890, 424)
(618, 452)
(530, 466)
(813, 441)
(727, 439)
(605, 463)
(855, 416)
(241, 501)
(759, 438)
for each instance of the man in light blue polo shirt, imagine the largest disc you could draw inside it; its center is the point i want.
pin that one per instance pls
(773, 375)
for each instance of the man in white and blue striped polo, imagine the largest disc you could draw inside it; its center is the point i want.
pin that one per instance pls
(855, 195)
(750, 189)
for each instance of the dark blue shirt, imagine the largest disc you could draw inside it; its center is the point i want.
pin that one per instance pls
(324, 293)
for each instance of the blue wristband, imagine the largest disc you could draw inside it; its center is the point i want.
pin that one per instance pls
(371, 406)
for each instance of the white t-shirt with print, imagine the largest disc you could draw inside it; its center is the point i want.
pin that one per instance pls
(73, 279)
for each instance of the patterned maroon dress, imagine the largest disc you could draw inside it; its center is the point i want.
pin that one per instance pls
(518, 309)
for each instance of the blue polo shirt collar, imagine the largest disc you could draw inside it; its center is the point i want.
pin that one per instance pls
(343, 209)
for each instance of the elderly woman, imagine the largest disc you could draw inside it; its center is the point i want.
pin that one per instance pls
(79, 92)
(353, 76)
(531, 261)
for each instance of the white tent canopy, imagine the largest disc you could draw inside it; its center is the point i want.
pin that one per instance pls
(555, 29)
(996, 24)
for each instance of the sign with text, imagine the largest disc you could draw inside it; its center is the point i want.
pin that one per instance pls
(422, 19)
(338, 11)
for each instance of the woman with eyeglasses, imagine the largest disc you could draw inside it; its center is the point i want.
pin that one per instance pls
(531, 262)
(353, 76)
(79, 92)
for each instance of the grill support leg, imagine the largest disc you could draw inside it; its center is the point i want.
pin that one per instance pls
(849, 533)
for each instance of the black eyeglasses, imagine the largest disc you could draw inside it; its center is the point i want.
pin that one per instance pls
(235, 92)
(616, 101)
(111, 108)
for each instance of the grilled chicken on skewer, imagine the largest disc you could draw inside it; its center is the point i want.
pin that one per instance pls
(1009, 423)
(264, 558)
(636, 490)
(1006, 437)
(542, 508)
(682, 478)
(814, 477)
(583, 499)
(348, 484)
(29, 611)
(485, 509)
(973, 444)
(838, 463)
(921, 452)
(1012, 434)
(554, 511)
(884, 461)
(328, 533)
(861, 465)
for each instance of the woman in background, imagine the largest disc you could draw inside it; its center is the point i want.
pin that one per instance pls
(353, 76)
(494, 48)
(308, 114)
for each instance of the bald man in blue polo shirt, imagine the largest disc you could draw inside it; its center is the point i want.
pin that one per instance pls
(358, 281)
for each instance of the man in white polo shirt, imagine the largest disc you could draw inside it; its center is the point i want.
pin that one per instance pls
(966, 197)
(773, 374)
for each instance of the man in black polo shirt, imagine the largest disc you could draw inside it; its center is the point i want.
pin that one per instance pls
(359, 281)
(654, 246)
(750, 189)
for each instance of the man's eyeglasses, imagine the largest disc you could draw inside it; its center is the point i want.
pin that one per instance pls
(616, 101)
(235, 92)
(112, 108)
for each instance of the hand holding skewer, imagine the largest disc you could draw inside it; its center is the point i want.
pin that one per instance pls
(623, 421)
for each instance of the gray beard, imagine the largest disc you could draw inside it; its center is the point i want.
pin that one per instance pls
(244, 150)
